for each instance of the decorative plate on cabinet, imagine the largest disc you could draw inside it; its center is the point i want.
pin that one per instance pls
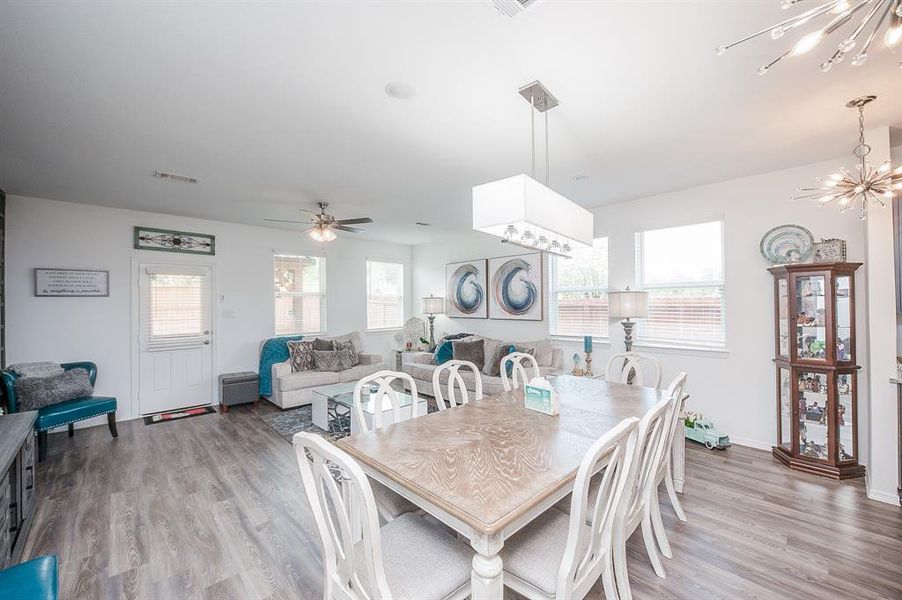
(787, 244)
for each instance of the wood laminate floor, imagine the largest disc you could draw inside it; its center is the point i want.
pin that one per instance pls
(212, 507)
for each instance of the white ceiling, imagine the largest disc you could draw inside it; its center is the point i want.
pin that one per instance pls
(277, 105)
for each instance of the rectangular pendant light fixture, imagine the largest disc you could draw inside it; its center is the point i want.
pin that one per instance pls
(522, 211)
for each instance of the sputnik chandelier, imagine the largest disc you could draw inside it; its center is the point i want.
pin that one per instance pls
(868, 15)
(867, 185)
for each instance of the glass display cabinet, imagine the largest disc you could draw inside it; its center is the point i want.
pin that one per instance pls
(816, 374)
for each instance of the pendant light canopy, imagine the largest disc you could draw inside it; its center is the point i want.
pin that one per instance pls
(522, 211)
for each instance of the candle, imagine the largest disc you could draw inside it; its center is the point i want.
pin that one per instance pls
(587, 343)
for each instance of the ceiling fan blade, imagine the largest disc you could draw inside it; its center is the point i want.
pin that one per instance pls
(287, 221)
(346, 228)
(354, 221)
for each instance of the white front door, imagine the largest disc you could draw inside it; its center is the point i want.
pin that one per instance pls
(174, 337)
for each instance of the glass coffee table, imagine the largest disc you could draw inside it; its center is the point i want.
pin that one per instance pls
(332, 408)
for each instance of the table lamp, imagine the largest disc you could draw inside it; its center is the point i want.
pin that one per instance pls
(628, 304)
(433, 306)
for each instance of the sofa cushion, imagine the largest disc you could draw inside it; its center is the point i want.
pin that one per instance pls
(71, 411)
(354, 337)
(358, 372)
(473, 352)
(490, 385)
(306, 379)
(301, 356)
(544, 351)
(335, 360)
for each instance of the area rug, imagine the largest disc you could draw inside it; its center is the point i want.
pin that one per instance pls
(178, 414)
(289, 422)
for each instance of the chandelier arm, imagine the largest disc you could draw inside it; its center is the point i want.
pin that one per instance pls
(809, 14)
(864, 22)
(767, 67)
(867, 42)
(844, 17)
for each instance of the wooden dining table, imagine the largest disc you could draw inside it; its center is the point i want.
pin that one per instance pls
(488, 468)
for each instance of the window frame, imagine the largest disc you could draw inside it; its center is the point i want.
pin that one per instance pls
(553, 290)
(678, 344)
(323, 310)
(366, 293)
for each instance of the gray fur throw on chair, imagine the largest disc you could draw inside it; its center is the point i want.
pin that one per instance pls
(36, 392)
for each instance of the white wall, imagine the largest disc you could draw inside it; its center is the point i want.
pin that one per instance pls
(47, 233)
(735, 388)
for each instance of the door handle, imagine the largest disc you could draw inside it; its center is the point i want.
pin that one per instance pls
(206, 342)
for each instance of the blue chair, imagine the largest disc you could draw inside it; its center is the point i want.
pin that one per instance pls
(36, 579)
(64, 413)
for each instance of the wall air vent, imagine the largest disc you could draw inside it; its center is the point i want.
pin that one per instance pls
(512, 8)
(175, 177)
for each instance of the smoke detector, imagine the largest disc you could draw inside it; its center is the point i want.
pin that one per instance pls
(175, 177)
(512, 8)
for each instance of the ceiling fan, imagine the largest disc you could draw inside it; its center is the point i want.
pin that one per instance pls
(322, 225)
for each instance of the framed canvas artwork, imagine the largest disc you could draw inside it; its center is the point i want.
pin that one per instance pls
(466, 288)
(515, 285)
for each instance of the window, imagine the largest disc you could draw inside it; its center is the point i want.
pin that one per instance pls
(384, 294)
(176, 308)
(681, 268)
(300, 293)
(579, 292)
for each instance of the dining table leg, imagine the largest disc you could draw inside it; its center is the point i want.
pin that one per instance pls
(486, 577)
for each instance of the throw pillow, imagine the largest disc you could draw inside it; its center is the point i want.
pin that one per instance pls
(443, 353)
(352, 350)
(493, 362)
(509, 367)
(300, 355)
(333, 360)
(321, 344)
(544, 351)
(36, 392)
(471, 351)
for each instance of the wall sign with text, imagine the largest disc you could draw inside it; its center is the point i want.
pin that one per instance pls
(71, 283)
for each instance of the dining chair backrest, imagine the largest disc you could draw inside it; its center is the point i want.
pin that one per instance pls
(588, 549)
(646, 369)
(649, 453)
(383, 380)
(676, 391)
(519, 374)
(455, 380)
(339, 495)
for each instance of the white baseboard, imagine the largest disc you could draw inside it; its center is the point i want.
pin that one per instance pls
(888, 498)
(749, 443)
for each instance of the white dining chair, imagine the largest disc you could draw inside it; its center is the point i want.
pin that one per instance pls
(646, 369)
(676, 391)
(455, 380)
(519, 375)
(391, 505)
(560, 556)
(407, 558)
(650, 449)
(384, 380)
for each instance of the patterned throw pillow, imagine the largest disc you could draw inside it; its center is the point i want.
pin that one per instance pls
(349, 346)
(334, 360)
(301, 356)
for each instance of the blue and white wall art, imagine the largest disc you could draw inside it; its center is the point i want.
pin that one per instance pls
(467, 289)
(515, 287)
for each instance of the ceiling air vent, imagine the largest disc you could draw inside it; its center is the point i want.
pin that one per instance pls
(512, 8)
(175, 177)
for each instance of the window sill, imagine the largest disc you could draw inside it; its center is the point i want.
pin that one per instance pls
(578, 339)
(713, 352)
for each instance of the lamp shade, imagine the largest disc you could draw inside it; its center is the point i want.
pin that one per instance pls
(433, 305)
(628, 304)
(527, 205)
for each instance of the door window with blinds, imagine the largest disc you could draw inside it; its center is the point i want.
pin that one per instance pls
(579, 292)
(384, 294)
(300, 294)
(176, 308)
(682, 270)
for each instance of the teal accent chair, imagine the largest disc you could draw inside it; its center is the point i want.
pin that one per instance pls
(64, 413)
(36, 579)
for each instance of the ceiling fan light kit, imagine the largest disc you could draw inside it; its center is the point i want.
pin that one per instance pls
(867, 16)
(323, 226)
(526, 213)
